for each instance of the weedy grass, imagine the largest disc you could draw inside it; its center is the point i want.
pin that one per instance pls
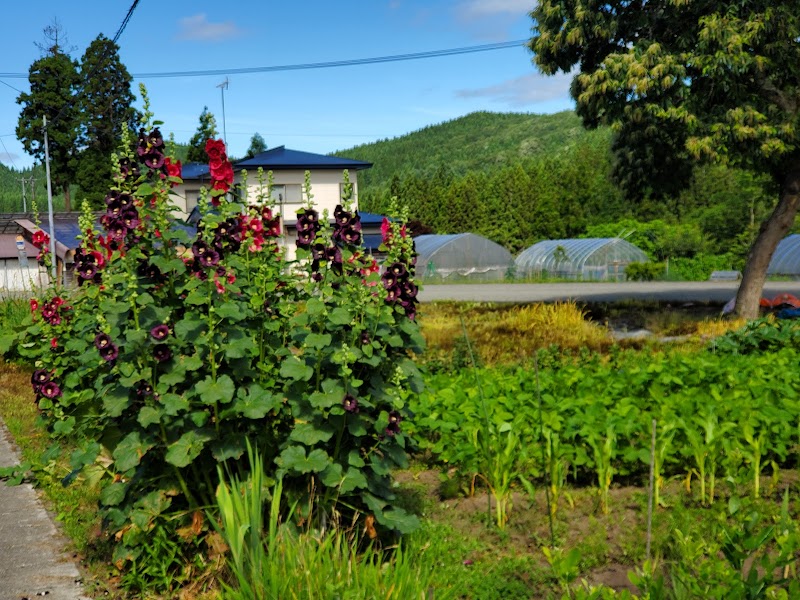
(503, 334)
(274, 558)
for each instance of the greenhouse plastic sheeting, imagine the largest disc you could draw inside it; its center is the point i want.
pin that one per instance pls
(786, 258)
(588, 258)
(462, 255)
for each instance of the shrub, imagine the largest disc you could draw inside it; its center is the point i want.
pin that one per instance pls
(176, 350)
(648, 271)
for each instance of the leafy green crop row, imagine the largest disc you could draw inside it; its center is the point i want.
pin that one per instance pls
(716, 415)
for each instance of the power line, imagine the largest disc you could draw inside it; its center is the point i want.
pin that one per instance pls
(11, 86)
(13, 164)
(321, 65)
(125, 20)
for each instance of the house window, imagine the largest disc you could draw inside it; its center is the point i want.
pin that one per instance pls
(289, 193)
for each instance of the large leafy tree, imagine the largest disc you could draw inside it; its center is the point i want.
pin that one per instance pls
(684, 81)
(53, 81)
(257, 145)
(206, 130)
(106, 107)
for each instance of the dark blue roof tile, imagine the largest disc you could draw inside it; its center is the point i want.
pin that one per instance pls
(284, 158)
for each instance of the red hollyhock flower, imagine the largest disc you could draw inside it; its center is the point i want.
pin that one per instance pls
(34, 305)
(40, 239)
(223, 172)
(215, 149)
(173, 168)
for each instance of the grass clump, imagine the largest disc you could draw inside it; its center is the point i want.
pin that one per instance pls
(502, 333)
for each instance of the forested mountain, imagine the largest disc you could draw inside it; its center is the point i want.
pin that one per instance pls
(11, 190)
(478, 141)
(521, 178)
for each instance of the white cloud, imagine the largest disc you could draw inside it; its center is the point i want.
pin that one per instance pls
(8, 157)
(478, 9)
(528, 89)
(199, 28)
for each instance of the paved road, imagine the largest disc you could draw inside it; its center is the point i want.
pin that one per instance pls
(684, 291)
(32, 561)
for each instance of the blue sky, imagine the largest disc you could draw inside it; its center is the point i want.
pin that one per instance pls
(318, 110)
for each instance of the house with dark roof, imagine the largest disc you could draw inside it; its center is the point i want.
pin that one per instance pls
(288, 169)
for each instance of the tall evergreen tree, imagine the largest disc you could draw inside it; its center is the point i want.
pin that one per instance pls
(106, 104)
(53, 80)
(257, 145)
(205, 131)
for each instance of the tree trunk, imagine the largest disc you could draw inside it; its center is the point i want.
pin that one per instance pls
(771, 232)
(67, 202)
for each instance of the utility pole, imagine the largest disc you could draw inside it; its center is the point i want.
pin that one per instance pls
(53, 258)
(222, 87)
(32, 181)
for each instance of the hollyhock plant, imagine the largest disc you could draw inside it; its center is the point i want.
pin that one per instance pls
(216, 336)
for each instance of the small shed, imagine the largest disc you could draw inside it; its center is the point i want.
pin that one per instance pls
(591, 259)
(461, 256)
(786, 258)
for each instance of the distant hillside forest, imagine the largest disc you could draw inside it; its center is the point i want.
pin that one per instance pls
(521, 178)
(11, 190)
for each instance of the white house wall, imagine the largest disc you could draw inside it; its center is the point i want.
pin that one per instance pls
(15, 278)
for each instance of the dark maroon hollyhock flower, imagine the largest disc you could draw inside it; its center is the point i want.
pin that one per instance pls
(393, 293)
(334, 255)
(352, 236)
(40, 377)
(127, 168)
(210, 258)
(350, 403)
(144, 389)
(308, 220)
(154, 160)
(155, 139)
(365, 339)
(389, 279)
(117, 231)
(114, 208)
(50, 390)
(221, 271)
(49, 311)
(109, 353)
(410, 290)
(160, 332)
(131, 218)
(316, 277)
(393, 428)
(318, 252)
(149, 271)
(112, 197)
(341, 216)
(102, 340)
(141, 147)
(272, 228)
(305, 238)
(125, 200)
(199, 249)
(162, 352)
(398, 269)
(87, 270)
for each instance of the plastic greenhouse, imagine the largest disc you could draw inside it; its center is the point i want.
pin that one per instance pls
(461, 256)
(590, 258)
(786, 258)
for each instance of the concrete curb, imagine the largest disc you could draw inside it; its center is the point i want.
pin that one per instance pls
(32, 562)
